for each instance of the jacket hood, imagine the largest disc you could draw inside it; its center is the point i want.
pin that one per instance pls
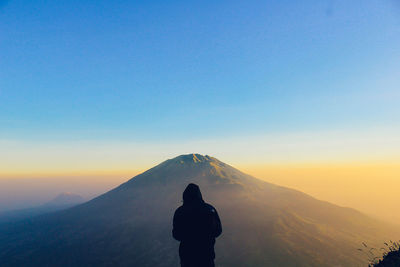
(192, 195)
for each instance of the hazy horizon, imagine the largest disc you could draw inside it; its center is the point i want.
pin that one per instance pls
(319, 180)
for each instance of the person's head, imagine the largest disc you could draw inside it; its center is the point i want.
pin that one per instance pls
(192, 194)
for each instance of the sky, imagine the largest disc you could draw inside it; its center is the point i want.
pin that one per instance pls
(301, 93)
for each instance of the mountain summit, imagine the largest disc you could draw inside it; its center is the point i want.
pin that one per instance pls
(191, 167)
(195, 158)
(264, 224)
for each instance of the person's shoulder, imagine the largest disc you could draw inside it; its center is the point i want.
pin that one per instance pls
(210, 207)
(179, 210)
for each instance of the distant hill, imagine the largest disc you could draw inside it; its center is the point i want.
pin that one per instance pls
(263, 224)
(66, 198)
(62, 201)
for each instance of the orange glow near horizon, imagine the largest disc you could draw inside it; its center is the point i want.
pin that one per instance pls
(371, 187)
(358, 169)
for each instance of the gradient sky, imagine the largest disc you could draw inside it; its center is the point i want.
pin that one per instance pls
(114, 87)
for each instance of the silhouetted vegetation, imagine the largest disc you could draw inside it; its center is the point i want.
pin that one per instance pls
(389, 258)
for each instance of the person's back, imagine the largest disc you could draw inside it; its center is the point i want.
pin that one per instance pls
(196, 224)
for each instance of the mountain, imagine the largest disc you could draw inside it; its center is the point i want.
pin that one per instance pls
(263, 224)
(60, 202)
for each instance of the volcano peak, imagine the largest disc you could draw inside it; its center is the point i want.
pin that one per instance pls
(194, 157)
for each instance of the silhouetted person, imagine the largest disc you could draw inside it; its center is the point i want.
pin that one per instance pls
(196, 224)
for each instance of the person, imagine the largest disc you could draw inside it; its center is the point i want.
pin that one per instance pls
(196, 224)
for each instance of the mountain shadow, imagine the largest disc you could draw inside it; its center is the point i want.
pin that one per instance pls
(264, 224)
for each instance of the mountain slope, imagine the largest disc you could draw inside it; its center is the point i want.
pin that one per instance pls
(263, 224)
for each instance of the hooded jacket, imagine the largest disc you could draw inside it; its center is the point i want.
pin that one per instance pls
(196, 224)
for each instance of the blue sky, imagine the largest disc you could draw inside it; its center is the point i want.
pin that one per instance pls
(181, 70)
(94, 92)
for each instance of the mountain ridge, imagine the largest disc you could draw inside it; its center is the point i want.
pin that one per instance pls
(130, 225)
